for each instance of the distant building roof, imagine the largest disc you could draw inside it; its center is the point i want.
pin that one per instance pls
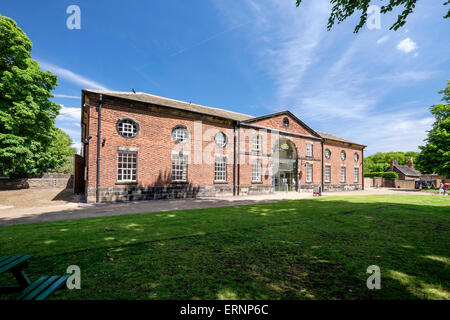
(407, 171)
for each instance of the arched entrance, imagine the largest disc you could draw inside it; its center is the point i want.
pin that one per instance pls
(285, 166)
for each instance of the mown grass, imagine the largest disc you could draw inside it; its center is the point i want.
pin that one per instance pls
(304, 249)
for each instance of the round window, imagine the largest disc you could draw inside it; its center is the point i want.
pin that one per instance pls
(127, 128)
(180, 134)
(221, 139)
(286, 122)
(327, 153)
(343, 155)
(356, 157)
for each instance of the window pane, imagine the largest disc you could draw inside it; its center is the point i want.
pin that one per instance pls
(125, 162)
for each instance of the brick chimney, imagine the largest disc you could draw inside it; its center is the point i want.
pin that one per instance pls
(410, 162)
(393, 162)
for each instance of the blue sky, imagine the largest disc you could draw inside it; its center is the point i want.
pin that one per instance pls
(249, 56)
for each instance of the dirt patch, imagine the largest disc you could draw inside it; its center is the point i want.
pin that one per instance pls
(31, 198)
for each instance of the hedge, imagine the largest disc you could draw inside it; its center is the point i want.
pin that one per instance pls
(387, 175)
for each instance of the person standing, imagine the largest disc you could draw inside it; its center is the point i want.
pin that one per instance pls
(445, 189)
(441, 188)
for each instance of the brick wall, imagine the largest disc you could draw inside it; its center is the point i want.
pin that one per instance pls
(154, 146)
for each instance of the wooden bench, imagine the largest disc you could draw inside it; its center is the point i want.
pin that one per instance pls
(38, 290)
(42, 288)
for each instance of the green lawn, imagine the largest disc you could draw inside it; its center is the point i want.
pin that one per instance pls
(304, 249)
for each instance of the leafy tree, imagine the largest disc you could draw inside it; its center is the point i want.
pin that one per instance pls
(435, 155)
(27, 116)
(62, 152)
(342, 9)
(381, 161)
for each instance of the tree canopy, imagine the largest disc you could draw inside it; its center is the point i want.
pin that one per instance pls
(435, 155)
(342, 9)
(29, 140)
(381, 161)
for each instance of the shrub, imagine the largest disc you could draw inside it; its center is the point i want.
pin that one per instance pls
(387, 175)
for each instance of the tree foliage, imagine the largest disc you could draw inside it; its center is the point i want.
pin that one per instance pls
(27, 116)
(435, 155)
(381, 161)
(342, 9)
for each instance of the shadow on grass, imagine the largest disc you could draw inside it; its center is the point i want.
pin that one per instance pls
(306, 249)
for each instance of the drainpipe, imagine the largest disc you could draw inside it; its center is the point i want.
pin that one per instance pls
(234, 159)
(238, 160)
(321, 159)
(362, 166)
(99, 132)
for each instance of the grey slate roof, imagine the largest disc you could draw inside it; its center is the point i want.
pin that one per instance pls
(407, 171)
(181, 105)
(330, 136)
(150, 98)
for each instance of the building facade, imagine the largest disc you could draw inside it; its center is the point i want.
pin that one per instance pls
(139, 146)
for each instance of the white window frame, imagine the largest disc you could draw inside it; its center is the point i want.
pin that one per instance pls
(126, 166)
(179, 167)
(257, 142)
(180, 134)
(257, 170)
(220, 139)
(343, 174)
(127, 128)
(327, 174)
(329, 153)
(356, 157)
(220, 169)
(309, 149)
(356, 175)
(344, 154)
(309, 172)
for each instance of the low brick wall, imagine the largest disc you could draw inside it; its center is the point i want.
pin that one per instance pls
(391, 183)
(404, 184)
(43, 181)
(368, 182)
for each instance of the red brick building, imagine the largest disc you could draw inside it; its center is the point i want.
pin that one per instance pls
(149, 147)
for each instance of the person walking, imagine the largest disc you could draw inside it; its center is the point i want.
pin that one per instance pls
(441, 188)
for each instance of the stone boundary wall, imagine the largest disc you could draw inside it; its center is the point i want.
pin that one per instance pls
(44, 181)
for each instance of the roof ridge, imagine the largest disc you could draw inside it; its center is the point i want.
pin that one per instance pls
(168, 99)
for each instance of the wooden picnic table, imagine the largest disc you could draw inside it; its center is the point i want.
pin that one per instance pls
(15, 265)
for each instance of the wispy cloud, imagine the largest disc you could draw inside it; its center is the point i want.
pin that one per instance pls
(382, 39)
(69, 113)
(336, 81)
(210, 38)
(71, 76)
(65, 96)
(407, 45)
